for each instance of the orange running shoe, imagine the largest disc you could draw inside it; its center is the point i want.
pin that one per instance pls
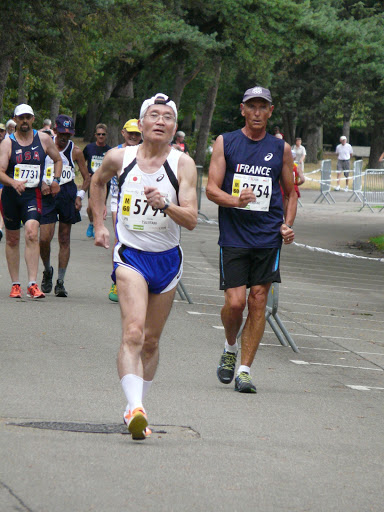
(137, 423)
(34, 292)
(16, 291)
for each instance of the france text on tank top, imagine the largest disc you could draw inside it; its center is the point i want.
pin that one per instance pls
(27, 162)
(255, 164)
(138, 225)
(68, 172)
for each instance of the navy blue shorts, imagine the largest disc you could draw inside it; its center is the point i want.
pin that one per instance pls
(61, 207)
(249, 267)
(16, 209)
(161, 270)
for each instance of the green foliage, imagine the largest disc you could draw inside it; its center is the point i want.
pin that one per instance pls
(321, 58)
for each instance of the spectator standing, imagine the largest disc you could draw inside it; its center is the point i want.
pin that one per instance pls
(299, 153)
(180, 142)
(344, 152)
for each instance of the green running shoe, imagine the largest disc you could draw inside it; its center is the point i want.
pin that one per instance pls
(113, 293)
(243, 383)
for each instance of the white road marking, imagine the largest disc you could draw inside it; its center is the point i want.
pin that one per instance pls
(340, 327)
(363, 388)
(336, 365)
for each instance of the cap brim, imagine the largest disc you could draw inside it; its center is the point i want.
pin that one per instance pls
(65, 130)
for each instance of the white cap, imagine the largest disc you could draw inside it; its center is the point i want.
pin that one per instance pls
(160, 99)
(23, 109)
(10, 122)
(343, 137)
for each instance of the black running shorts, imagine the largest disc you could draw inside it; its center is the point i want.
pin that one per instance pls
(250, 267)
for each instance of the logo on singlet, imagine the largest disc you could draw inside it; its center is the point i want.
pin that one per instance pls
(268, 157)
(160, 177)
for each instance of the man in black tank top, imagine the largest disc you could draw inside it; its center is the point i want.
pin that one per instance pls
(22, 157)
(247, 167)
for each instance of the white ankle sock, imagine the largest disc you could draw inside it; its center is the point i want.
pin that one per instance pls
(243, 368)
(146, 385)
(133, 388)
(231, 348)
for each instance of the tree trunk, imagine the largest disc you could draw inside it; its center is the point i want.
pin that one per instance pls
(179, 84)
(187, 123)
(377, 148)
(347, 123)
(90, 122)
(5, 66)
(21, 86)
(314, 142)
(289, 127)
(181, 80)
(209, 107)
(198, 116)
(56, 100)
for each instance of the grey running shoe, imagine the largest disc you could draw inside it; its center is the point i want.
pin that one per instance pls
(46, 283)
(60, 291)
(226, 369)
(243, 383)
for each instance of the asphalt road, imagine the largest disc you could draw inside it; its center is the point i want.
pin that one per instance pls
(311, 439)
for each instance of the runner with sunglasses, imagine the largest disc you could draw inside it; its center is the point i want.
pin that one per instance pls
(94, 154)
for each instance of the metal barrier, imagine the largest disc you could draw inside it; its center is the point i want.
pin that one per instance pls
(199, 186)
(182, 291)
(357, 192)
(274, 320)
(373, 194)
(325, 182)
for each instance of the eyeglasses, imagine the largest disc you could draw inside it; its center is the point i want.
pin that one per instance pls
(154, 116)
(28, 117)
(101, 134)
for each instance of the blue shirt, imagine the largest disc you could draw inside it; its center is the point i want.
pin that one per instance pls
(94, 155)
(248, 158)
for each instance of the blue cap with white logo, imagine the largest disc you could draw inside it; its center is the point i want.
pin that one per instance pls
(65, 124)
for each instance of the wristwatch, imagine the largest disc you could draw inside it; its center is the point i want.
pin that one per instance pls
(57, 180)
(167, 202)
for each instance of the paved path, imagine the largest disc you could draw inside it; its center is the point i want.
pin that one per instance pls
(310, 440)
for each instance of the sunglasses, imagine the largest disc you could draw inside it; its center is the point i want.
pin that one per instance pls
(101, 134)
(25, 116)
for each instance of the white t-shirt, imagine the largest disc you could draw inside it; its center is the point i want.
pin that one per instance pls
(344, 151)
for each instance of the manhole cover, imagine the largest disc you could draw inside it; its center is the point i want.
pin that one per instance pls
(108, 428)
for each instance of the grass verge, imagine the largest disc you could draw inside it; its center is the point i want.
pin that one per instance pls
(378, 241)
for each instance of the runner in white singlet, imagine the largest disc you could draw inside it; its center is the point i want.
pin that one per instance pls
(157, 196)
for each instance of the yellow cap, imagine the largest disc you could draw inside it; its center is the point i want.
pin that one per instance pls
(2, 126)
(131, 126)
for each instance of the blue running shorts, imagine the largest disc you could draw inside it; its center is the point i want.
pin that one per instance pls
(161, 270)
